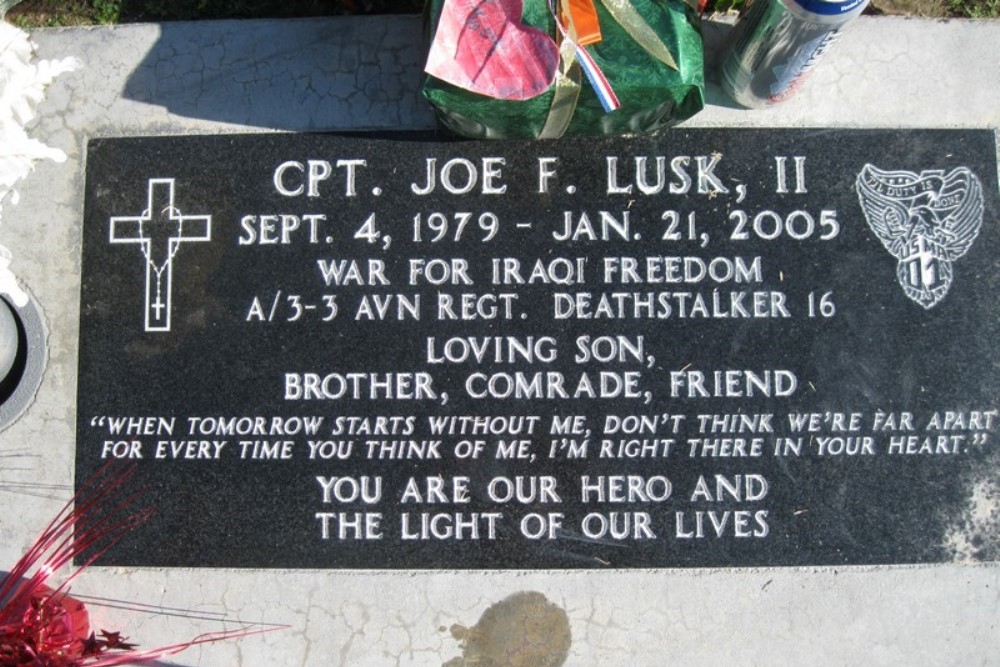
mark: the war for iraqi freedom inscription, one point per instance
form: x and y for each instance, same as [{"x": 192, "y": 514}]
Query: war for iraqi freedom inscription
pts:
[{"x": 714, "y": 348}]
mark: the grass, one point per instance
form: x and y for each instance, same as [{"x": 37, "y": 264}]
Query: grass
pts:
[
  {"x": 56, "y": 13},
  {"x": 52, "y": 13},
  {"x": 981, "y": 9}
]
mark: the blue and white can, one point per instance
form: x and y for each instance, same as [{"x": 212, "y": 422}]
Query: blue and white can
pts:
[{"x": 776, "y": 43}]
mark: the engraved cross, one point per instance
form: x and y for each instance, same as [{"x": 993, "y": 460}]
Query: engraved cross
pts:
[{"x": 159, "y": 230}]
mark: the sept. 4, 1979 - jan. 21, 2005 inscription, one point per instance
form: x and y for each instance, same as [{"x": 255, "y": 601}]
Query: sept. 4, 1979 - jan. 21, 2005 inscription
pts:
[{"x": 715, "y": 348}]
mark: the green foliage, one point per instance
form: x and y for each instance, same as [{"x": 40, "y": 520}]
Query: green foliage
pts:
[
  {"x": 107, "y": 11},
  {"x": 54, "y": 13},
  {"x": 978, "y": 9},
  {"x": 50, "y": 13}
]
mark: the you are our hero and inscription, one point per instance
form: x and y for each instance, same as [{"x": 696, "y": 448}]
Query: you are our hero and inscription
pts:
[{"x": 606, "y": 348}]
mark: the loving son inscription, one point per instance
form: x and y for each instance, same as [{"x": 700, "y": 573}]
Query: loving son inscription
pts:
[{"x": 712, "y": 348}]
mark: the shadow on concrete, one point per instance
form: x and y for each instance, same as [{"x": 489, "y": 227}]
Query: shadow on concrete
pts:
[{"x": 358, "y": 72}]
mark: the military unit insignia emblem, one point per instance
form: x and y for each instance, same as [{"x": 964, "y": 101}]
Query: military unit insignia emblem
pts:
[{"x": 926, "y": 221}]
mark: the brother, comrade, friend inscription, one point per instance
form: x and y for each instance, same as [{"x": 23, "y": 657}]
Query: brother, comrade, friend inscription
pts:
[{"x": 712, "y": 348}]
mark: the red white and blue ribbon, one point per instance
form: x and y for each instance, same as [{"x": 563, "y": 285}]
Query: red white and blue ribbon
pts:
[
  {"x": 605, "y": 94},
  {"x": 600, "y": 83}
]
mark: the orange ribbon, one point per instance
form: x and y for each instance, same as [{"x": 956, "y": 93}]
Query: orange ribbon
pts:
[{"x": 583, "y": 17}]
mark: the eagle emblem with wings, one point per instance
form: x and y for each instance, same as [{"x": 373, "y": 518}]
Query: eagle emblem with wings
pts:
[{"x": 926, "y": 221}]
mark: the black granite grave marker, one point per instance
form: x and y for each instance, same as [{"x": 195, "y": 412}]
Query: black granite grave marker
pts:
[{"x": 715, "y": 348}]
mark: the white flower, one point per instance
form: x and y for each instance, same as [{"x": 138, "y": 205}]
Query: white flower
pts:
[{"x": 22, "y": 87}]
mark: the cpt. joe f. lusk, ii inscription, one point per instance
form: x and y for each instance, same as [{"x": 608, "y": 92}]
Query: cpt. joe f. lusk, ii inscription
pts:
[{"x": 326, "y": 351}]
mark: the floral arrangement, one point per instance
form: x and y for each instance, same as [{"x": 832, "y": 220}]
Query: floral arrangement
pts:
[
  {"x": 41, "y": 625},
  {"x": 23, "y": 81}
]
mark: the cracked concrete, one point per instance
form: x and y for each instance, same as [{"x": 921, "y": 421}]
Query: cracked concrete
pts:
[{"x": 362, "y": 73}]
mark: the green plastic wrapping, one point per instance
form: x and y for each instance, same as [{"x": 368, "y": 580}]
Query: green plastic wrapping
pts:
[{"x": 652, "y": 95}]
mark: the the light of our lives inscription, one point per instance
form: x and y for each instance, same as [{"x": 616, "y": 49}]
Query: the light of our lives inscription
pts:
[{"x": 715, "y": 348}]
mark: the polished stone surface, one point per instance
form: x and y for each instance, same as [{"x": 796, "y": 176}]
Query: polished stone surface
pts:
[{"x": 717, "y": 348}]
